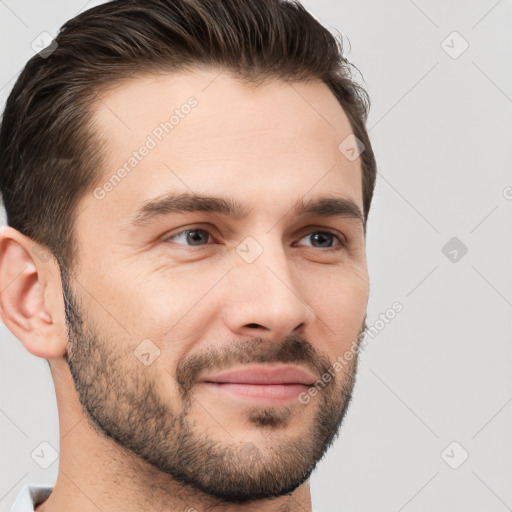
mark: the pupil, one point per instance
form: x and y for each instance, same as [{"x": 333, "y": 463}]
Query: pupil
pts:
[
  {"x": 192, "y": 238},
  {"x": 324, "y": 236}
]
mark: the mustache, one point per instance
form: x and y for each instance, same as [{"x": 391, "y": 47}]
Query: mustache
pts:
[{"x": 292, "y": 349}]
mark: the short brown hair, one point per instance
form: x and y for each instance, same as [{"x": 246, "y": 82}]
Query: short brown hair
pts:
[{"x": 50, "y": 156}]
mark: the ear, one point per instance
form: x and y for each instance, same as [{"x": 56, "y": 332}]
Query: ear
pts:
[{"x": 31, "y": 303}]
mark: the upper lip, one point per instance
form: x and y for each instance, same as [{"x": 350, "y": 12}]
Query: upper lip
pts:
[{"x": 259, "y": 374}]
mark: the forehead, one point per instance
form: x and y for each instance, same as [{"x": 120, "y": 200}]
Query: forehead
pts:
[{"x": 204, "y": 131}]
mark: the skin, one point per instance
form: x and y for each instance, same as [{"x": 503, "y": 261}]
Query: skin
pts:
[{"x": 136, "y": 436}]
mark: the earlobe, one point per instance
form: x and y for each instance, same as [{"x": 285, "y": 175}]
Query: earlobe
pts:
[{"x": 27, "y": 295}]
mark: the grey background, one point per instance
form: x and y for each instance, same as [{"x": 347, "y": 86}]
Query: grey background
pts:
[{"x": 440, "y": 371}]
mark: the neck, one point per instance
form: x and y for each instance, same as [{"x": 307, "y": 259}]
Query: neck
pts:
[
  {"x": 105, "y": 479},
  {"x": 95, "y": 473}
]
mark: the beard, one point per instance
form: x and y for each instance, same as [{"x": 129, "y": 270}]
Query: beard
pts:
[{"x": 118, "y": 396}]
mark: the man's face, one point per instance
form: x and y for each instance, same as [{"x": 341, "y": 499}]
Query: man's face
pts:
[{"x": 162, "y": 307}]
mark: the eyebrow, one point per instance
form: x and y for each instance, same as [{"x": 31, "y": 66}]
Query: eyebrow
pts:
[{"x": 176, "y": 203}]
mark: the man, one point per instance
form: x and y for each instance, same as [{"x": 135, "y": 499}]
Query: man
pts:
[{"x": 187, "y": 185}]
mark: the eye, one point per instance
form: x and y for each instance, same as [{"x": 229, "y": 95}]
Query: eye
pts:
[
  {"x": 197, "y": 237},
  {"x": 325, "y": 237},
  {"x": 193, "y": 236}
]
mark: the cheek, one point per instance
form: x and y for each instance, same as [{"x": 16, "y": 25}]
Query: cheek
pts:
[
  {"x": 345, "y": 286},
  {"x": 340, "y": 302},
  {"x": 166, "y": 304}
]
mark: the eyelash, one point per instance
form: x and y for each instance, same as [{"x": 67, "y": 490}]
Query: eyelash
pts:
[{"x": 342, "y": 243}]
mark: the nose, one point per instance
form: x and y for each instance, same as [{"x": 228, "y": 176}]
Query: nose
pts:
[{"x": 266, "y": 298}]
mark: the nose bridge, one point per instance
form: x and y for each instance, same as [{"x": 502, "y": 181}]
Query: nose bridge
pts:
[
  {"x": 263, "y": 258},
  {"x": 266, "y": 290}
]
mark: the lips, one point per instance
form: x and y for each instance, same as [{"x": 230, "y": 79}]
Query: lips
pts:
[{"x": 263, "y": 375}]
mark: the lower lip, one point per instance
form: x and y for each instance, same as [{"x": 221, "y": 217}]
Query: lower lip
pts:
[{"x": 261, "y": 392}]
